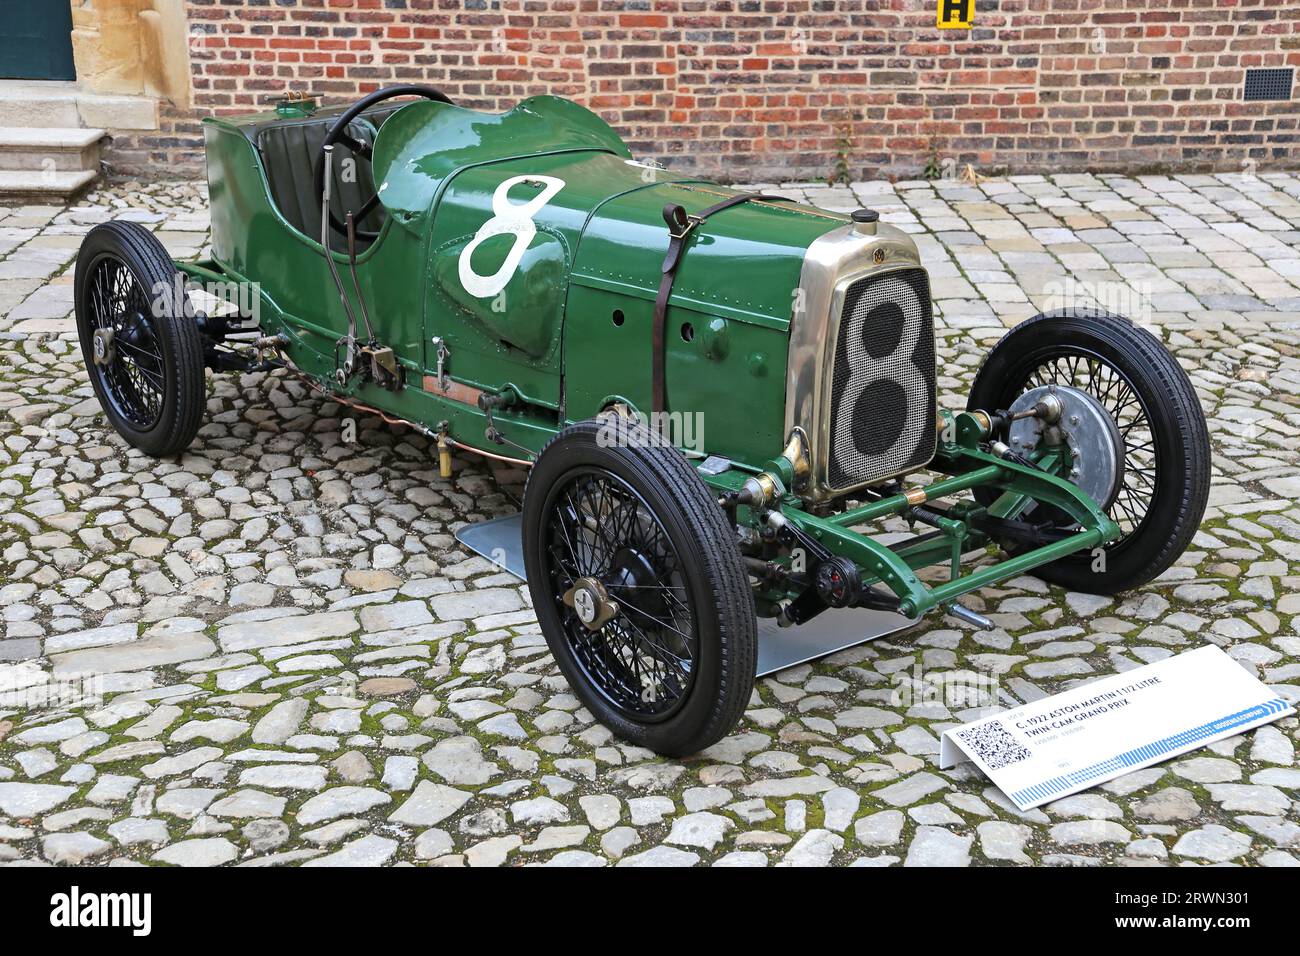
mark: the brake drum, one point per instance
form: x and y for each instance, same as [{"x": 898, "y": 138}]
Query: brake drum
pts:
[{"x": 1096, "y": 446}]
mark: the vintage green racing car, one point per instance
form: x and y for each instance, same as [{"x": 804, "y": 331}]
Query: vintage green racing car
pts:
[{"x": 516, "y": 285}]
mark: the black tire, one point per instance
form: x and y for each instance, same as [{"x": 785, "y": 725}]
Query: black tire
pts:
[
  {"x": 1167, "y": 466},
  {"x": 150, "y": 382},
  {"x": 659, "y": 523}
]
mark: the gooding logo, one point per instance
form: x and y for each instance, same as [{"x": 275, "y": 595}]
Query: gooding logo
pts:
[{"x": 74, "y": 908}]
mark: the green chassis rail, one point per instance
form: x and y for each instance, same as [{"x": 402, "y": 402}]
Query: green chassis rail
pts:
[
  {"x": 968, "y": 467},
  {"x": 958, "y": 455}
]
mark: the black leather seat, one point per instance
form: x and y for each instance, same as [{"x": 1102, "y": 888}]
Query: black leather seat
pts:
[{"x": 290, "y": 149}]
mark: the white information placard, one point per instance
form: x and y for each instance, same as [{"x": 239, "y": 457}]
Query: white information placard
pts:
[{"x": 1075, "y": 740}]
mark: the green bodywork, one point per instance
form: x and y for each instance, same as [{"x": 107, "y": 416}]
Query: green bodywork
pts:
[
  {"x": 550, "y": 336},
  {"x": 568, "y": 335}
]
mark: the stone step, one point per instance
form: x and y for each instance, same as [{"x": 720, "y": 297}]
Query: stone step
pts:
[
  {"x": 39, "y": 104},
  {"x": 59, "y": 104},
  {"x": 41, "y": 186},
  {"x": 48, "y": 147}
]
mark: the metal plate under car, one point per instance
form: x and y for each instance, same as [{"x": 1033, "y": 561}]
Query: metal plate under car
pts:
[{"x": 501, "y": 542}]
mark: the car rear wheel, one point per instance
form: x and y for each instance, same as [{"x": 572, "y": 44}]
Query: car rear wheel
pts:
[
  {"x": 1163, "y": 478},
  {"x": 639, "y": 586},
  {"x": 139, "y": 339}
]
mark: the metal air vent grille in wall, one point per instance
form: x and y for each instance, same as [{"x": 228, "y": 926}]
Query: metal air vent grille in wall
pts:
[{"x": 1269, "y": 84}]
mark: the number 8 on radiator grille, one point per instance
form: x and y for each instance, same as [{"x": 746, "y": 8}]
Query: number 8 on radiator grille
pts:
[{"x": 883, "y": 387}]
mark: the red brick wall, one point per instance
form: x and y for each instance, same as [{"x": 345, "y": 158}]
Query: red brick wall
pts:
[{"x": 785, "y": 89}]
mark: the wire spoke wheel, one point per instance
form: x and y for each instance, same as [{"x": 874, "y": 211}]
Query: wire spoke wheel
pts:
[
  {"x": 643, "y": 659},
  {"x": 129, "y": 361},
  {"x": 142, "y": 347},
  {"x": 639, "y": 587},
  {"x": 1165, "y": 447}
]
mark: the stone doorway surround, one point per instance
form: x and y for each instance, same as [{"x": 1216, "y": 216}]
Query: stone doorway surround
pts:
[
  {"x": 130, "y": 56},
  {"x": 132, "y": 47}
]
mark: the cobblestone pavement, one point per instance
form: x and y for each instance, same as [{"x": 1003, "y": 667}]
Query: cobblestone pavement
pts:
[{"x": 300, "y": 664}]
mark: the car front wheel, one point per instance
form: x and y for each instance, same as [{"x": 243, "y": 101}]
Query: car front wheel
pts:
[
  {"x": 639, "y": 586},
  {"x": 1157, "y": 483}
]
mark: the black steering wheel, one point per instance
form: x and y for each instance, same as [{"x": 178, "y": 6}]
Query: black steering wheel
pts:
[{"x": 338, "y": 133}]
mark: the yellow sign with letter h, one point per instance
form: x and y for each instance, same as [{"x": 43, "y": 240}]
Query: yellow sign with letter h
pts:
[{"x": 956, "y": 14}]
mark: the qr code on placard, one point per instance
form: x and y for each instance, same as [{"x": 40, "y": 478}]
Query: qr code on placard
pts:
[{"x": 994, "y": 744}]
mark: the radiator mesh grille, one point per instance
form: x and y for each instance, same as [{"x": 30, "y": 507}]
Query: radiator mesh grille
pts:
[{"x": 883, "y": 384}]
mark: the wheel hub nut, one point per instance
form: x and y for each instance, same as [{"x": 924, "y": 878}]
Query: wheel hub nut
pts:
[
  {"x": 102, "y": 346},
  {"x": 592, "y": 603}
]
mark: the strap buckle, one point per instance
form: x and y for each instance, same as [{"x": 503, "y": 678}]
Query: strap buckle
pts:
[
  {"x": 679, "y": 223},
  {"x": 691, "y": 223}
]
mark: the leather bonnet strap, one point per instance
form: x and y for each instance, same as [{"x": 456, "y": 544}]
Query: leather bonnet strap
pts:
[{"x": 679, "y": 229}]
